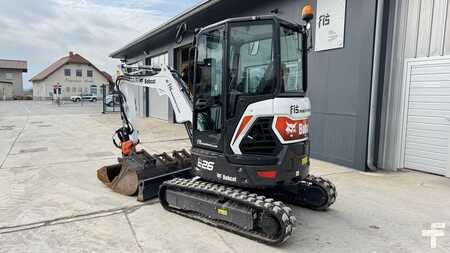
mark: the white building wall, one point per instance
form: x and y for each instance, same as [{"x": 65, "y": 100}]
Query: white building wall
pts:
[
  {"x": 421, "y": 29},
  {"x": 72, "y": 85}
]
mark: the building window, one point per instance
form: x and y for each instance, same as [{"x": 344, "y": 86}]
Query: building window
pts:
[
  {"x": 67, "y": 72},
  {"x": 79, "y": 73},
  {"x": 160, "y": 60},
  {"x": 67, "y": 89},
  {"x": 89, "y": 73},
  {"x": 86, "y": 90},
  {"x": 80, "y": 89},
  {"x": 9, "y": 76},
  {"x": 74, "y": 89},
  {"x": 94, "y": 89}
]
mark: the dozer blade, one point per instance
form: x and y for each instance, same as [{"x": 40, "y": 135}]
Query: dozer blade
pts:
[{"x": 141, "y": 173}]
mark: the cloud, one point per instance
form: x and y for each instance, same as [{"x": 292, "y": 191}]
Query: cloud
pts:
[{"x": 43, "y": 31}]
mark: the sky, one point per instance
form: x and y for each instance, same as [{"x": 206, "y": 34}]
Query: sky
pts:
[{"x": 42, "y": 31}]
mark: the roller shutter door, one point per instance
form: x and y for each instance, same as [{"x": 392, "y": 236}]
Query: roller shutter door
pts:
[{"x": 427, "y": 128}]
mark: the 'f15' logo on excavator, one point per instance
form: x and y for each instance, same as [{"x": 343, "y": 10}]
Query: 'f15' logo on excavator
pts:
[{"x": 295, "y": 109}]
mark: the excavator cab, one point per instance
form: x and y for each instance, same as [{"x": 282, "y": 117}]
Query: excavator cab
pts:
[
  {"x": 248, "y": 72},
  {"x": 237, "y": 65}
]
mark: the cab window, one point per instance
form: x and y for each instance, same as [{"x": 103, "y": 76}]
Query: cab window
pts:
[
  {"x": 250, "y": 59},
  {"x": 208, "y": 88},
  {"x": 291, "y": 61}
]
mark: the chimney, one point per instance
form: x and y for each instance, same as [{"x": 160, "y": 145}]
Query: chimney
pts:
[{"x": 71, "y": 53}]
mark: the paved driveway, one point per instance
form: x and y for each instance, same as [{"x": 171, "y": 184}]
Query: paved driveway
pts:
[{"x": 51, "y": 201}]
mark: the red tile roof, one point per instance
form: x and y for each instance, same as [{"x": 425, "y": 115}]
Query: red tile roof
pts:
[
  {"x": 13, "y": 64},
  {"x": 70, "y": 59},
  {"x": 108, "y": 77}
]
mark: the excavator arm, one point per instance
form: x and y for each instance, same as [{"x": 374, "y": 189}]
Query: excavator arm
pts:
[
  {"x": 139, "y": 172},
  {"x": 166, "y": 81}
]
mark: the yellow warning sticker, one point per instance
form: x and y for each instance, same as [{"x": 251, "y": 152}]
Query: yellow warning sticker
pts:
[
  {"x": 222, "y": 211},
  {"x": 305, "y": 160}
]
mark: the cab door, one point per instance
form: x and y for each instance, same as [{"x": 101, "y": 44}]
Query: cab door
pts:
[{"x": 208, "y": 90}]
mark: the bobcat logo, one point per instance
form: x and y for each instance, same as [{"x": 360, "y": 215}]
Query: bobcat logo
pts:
[{"x": 291, "y": 129}]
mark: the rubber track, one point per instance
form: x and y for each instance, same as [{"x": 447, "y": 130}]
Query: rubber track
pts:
[
  {"x": 283, "y": 214},
  {"x": 326, "y": 185}
]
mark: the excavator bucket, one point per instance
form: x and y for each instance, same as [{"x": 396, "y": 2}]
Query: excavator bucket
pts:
[{"x": 141, "y": 173}]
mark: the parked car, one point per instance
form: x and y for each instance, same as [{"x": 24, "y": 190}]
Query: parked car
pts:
[
  {"x": 23, "y": 97},
  {"x": 112, "y": 100},
  {"x": 84, "y": 97}
]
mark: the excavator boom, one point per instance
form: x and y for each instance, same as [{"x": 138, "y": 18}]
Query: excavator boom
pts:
[
  {"x": 138, "y": 172},
  {"x": 165, "y": 81}
]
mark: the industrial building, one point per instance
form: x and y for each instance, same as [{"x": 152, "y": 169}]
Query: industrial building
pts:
[
  {"x": 379, "y": 76},
  {"x": 11, "y": 79}
]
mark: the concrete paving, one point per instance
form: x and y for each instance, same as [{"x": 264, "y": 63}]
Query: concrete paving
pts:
[{"x": 51, "y": 200}]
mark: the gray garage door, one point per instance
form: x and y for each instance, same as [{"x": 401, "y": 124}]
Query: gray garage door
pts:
[{"x": 427, "y": 122}]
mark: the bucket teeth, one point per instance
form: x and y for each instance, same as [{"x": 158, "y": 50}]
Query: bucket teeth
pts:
[{"x": 141, "y": 173}]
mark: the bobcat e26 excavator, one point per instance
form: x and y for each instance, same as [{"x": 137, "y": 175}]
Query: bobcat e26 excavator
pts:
[{"x": 248, "y": 121}]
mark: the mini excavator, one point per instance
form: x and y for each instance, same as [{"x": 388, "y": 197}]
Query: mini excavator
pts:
[{"x": 247, "y": 118}]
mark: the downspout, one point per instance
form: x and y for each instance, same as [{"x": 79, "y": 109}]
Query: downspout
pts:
[{"x": 374, "y": 86}]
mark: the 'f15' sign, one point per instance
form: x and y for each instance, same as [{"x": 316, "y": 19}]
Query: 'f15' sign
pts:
[{"x": 330, "y": 24}]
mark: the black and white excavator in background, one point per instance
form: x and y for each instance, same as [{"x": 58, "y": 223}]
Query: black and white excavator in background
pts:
[{"x": 248, "y": 121}]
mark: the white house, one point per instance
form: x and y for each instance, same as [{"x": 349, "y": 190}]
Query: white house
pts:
[{"x": 74, "y": 74}]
